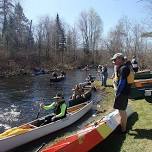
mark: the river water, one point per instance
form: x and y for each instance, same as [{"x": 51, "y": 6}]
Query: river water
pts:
[{"x": 20, "y": 96}]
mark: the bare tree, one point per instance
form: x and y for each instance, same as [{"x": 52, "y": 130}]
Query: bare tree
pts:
[
  {"x": 39, "y": 40},
  {"x": 71, "y": 44},
  {"x": 47, "y": 36},
  {"x": 116, "y": 38},
  {"x": 137, "y": 38},
  {"x": 90, "y": 25}
]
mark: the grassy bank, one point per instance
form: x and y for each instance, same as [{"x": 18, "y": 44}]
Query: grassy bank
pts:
[{"x": 139, "y": 136}]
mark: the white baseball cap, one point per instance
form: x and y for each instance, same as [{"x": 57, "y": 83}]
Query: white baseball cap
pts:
[{"x": 117, "y": 55}]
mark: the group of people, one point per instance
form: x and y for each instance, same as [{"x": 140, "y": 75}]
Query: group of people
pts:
[
  {"x": 122, "y": 73},
  {"x": 60, "y": 106}
]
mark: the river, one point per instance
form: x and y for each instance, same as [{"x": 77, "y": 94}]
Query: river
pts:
[{"x": 20, "y": 96}]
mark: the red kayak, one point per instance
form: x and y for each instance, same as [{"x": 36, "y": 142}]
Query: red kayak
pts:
[{"x": 87, "y": 138}]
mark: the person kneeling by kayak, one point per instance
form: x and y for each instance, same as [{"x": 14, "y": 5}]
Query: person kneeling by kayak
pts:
[{"x": 59, "y": 106}]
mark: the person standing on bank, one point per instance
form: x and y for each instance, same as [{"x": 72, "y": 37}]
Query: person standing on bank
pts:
[
  {"x": 123, "y": 89},
  {"x": 134, "y": 64},
  {"x": 104, "y": 75},
  {"x": 59, "y": 106},
  {"x": 99, "y": 72}
]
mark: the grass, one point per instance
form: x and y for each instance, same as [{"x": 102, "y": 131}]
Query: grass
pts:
[{"x": 139, "y": 136}]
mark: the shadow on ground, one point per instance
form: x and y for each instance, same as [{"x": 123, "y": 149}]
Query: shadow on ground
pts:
[
  {"x": 114, "y": 142},
  {"x": 141, "y": 133}
]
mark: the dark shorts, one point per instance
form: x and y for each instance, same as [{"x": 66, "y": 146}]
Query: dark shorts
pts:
[{"x": 121, "y": 102}]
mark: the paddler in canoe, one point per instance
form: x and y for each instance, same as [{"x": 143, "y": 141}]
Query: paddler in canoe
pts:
[
  {"x": 90, "y": 78},
  {"x": 54, "y": 75},
  {"x": 59, "y": 106},
  {"x": 78, "y": 92}
]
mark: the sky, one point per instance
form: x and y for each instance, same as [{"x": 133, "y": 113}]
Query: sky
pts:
[{"x": 110, "y": 11}]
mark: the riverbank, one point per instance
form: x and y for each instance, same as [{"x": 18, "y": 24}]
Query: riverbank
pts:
[
  {"x": 137, "y": 139},
  {"x": 139, "y": 134},
  {"x": 13, "y": 69}
]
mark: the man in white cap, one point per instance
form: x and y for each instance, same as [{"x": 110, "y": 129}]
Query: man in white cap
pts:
[{"x": 123, "y": 88}]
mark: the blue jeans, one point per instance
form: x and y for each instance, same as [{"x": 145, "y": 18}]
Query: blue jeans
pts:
[{"x": 104, "y": 79}]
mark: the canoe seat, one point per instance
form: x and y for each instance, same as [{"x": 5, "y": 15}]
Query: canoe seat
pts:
[
  {"x": 75, "y": 108},
  {"x": 27, "y": 126}
]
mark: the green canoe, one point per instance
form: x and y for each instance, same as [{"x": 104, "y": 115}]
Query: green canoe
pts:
[
  {"x": 136, "y": 93},
  {"x": 143, "y": 75},
  {"x": 142, "y": 93}
]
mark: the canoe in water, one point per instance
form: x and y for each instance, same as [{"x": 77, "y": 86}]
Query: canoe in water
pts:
[
  {"x": 25, "y": 133},
  {"x": 57, "y": 79},
  {"x": 87, "y": 138}
]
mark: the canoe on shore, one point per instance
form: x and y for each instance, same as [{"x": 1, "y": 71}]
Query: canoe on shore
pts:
[
  {"x": 146, "y": 74},
  {"x": 148, "y": 95},
  {"x": 25, "y": 133},
  {"x": 87, "y": 138},
  {"x": 143, "y": 83},
  {"x": 136, "y": 93},
  {"x": 57, "y": 79},
  {"x": 141, "y": 93}
]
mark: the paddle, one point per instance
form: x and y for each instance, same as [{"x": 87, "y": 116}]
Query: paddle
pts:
[
  {"x": 40, "y": 148},
  {"x": 39, "y": 110},
  {"x": 38, "y": 113}
]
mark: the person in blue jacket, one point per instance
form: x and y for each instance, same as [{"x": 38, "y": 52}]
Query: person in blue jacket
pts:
[{"x": 123, "y": 88}]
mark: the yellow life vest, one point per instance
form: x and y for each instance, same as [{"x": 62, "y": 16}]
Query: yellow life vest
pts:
[{"x": 131, "y": 76}]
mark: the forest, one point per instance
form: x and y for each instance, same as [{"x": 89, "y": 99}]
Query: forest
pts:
[{"x": 52, "y": 43}]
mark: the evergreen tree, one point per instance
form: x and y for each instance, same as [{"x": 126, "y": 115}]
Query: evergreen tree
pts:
[
  {"x": 18, "y": 33},
  {"x": 6, "y": 7},
  {"x": 60, "y": 37}
]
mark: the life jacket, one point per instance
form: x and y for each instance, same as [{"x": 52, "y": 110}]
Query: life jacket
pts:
[
  {"x": 57, "y": 110},
  {"x": 130, "y": 77}
]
